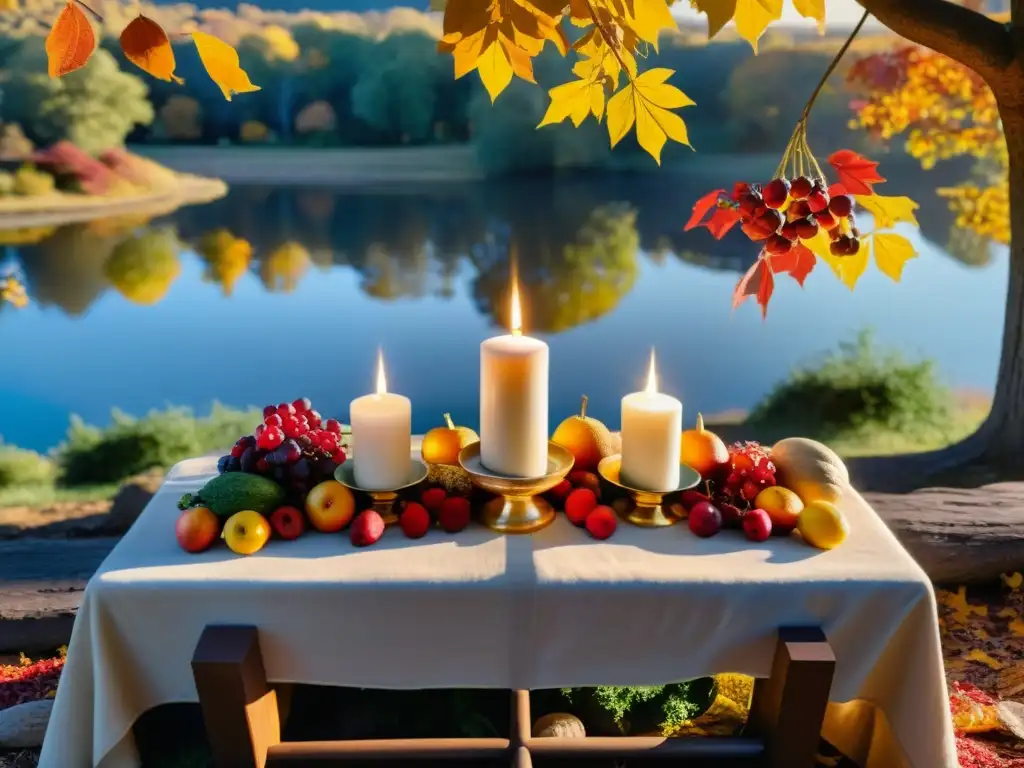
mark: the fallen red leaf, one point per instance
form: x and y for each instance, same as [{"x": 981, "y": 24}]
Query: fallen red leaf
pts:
[
  {"x": 701, "y": 208},
  {"x": 757, "y": 282},
  {"x": 721, "y": 221},
  {"x": 797, "y": 262},
  {"x": 856, "y": 173}
]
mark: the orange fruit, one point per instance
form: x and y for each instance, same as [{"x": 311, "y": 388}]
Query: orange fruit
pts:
[
  {"x": 701, "y": 449},
  {"x": 782, "y": 505},
  {"x": 442, "y": 445},
  {"x": 586, "y": 438}
]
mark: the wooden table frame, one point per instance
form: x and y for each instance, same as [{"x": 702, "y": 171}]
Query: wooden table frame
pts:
[{"x": 242, "y": 713}]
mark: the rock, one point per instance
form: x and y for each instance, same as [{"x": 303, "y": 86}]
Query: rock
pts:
[
  {"x": 959, "y": 535},
  {"x": 23, "y": 725},
  {"x": 1011, "y": 715},
  {"x": 559, "y": 724},
  {"x": 133, "y": 496}
]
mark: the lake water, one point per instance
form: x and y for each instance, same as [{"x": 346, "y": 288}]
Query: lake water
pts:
[{"x": 335, "y": 274}]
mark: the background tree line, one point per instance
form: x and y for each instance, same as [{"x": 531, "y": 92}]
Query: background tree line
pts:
[{"x": 370, "y": 87}]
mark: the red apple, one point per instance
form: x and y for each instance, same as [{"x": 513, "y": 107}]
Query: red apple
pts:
[
  {"x": 757, "y": 525},
  {"x": 287, "y": 523},
  {"x": 704, "y": 519},
  {"x": 197, "y": 529}
]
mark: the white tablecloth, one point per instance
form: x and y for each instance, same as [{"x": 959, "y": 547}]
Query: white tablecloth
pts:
[{"x": 476, "y": 609}]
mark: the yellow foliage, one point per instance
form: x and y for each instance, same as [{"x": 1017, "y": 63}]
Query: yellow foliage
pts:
[
  {"x": 12, "y": 291},
  {"x": 280, "y": 43},
  {"x": 284, "y": 267},
  {"x": 220, "y": 61},
  {"x": 143, "y": 267},
  {"x": 227, "y": 258}
]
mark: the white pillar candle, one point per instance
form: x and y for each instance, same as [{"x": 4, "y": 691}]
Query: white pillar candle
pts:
[
  {"x": 652, "y": 428},
  {"x": 514, "y": 401},
  {"x": 381, "y": 437}
]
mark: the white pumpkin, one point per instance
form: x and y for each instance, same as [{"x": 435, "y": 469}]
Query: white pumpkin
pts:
[
  {"x": 810, "y": 469},
  {"x": 559, "y": 724}
]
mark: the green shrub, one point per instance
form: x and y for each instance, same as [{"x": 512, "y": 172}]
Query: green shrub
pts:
[
  {"x": 30, "y": 182},
  {"x": 613, "y": 710},
  {"x": 858, "y": 390},
  {"x": 160, "y": 439},
  {"x": 20, "y": 468}
]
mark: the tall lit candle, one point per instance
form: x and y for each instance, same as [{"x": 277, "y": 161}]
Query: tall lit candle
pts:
[
  {"x": 381, "y": 436},
  {"x": 652, "y": 428},
  {"x": 514, "y": 400}
]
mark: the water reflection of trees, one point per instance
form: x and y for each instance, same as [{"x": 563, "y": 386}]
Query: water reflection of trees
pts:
[{"x": 576, "y": 241}]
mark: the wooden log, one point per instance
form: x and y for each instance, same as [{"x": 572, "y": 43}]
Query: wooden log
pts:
[{"x": 958, "y": 535}]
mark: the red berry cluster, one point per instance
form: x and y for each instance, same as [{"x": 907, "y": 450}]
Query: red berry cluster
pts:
[
  {"x": 452, "y": 513},
  {"x": 294, "y": 445},
  {"x": 782, "y": 213},
  {"x": 748, "y": 472}
]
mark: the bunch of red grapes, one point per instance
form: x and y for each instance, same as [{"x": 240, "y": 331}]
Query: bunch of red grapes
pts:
[
  {"x": 782, "y": 213},
  {"x": 748, "y": 472},
  {"x": 294, "y": 446}
]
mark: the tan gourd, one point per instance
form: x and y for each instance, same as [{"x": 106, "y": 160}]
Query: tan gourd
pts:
[{"x": 810, "y": 469}]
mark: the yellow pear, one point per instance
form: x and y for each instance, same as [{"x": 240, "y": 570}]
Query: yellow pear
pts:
[{"x": 586, "y": 438}]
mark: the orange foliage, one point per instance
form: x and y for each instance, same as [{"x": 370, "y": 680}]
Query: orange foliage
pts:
[{"x": 71, "y": 41}]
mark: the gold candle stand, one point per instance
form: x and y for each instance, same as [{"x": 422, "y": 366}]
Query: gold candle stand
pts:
[
  {"x": 519, "y": 507},
  {"x": 646, "y": 508},
  {"x": 383, "y": 500}
]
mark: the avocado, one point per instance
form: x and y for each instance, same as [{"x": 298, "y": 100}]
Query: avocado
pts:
[{"x": 233, "y": 492}]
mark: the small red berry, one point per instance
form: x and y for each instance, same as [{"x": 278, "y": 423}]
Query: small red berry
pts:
[
  {"x": 262, "y": 465},
  {"x": 750, "y": 490},
  {"x": 806, "y": 229},
  {"x": 237, "y": 450},
  {"x": 454, "y": 514},
  {"x": 753, "y": 231},
  {"x": 777, "y": 244},
  {"x": 776, "y": 192},
  {"x": 799, "y": 209},
  {"x": 333, "y": 425},
  {"x": 751, "y": 204},
  {"x": 313, "y": 419},
  {"x": 302, "y": 405},
  {"x": 560, "y": 492},
  {"x": 338, "y": 456},
  {"x": 273, "y": 420},
  {"x": 790, "y": 230},
  {"x": 818, "y": 200},
  {"x": 769, "y": 221},
  {"x": 841, "y": 206},
  {"x": 579, "y": 504},
  {"x": 433, "y": 498},
  {"x": 601, "y": 522},
  {"x": 286, "y": 409},
  {"x": 825, "y": 220},
  {"x": 801, "y": 188},
  {"x": 414, "y": 520},
  {"x": 757, "y": 525},
  {"x": 270, "y": 438}
]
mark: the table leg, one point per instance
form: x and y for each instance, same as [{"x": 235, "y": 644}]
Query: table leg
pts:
[
  {"x": 240, "y": 710},
  {"x": 520, "y": 730},
  {"x": 788, "y": 708}
]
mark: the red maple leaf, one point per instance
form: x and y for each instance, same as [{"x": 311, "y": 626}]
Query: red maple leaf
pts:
[
  {"x": 701, "y": 208},
  {"x": 758, "y": 282},
  {"x": 856, "y": 173},
  {"x": 798, "y": 262},
  {"x": 722, "y": 220}
]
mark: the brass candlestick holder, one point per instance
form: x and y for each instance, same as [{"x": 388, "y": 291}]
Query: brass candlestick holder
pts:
[
  {"x": 383, "y": 500},
  {"x": 519, "y": 507},
  {"x": 646, "y": 508}
]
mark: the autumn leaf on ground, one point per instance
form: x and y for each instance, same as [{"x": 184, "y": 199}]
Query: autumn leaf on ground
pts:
[
  {"x": 812, "y": 9},
  {"x": 1012, "y": 580},
  {"x": 646, "y": 102},
  {"x": 146, "y": 45},
  {"x": 983, "y": 658},
  {"x": 753, "y": 17},
  {"x": 888, "y": 211},
  {"x": 71, "y": 41},
  {"x": 960, "y": 609},
  {"x": 758, "y": 282},
  {"x": 856, "y": 173},
  {"x": 891, "y": 252},
  {"x": 220, "y": 61}
]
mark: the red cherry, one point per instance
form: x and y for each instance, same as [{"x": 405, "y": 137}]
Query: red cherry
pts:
[
  {"x": 798, "y": 209},
  {"x": 286, "y": 409},
  {"x": 273, "y": 420},
  {"x": 790, "y": 231},
  {"x": 313, "y": 418},
  {"x": 853, "y": 247},
  {"x": 818, "y": 200},
  {"x": 777, "y": 244},
  {"x": 776, "y": 192},
  {"x": 752, "y": 205},
  {"x": 769, "y": 221},
  {"x": 753, "y": 231},
  {"x": 757, "y": 525},
  {"x": 806, "y": 228},
  {"x": 825, "y": 219},
  {"x": 801, "y": 188},
  {"x": 841, "y": 206},
  {"x": 333, "y": 425},
  {"x": 302, "y": 405}
]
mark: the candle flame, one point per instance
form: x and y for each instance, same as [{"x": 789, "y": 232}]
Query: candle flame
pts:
[
  {"x": 382, "y": 382},
  {"x": 516, "y": 311},
  {"x": 652, "y": 377}
]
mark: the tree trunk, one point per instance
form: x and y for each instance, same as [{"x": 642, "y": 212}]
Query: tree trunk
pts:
[{"x": 1004, "y": 428}]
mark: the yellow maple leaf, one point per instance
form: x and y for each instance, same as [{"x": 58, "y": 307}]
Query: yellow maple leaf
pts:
[
  {"x": 847, "y": 268},
  {"x": 892, "y": 252},
  {"x": 648, "y": 18},
  {"x": 1012, "y": 580},
  {"x": 719, "y": 13},
  {"x": 812, "y": 9},
  {"x": 645, "y": 102},
  {"x": 221, "y": 63},
  {"x": 495, "y": 69},
  {"x": 983, "y": 658},
  {"x": 957, "y": 603},
  {"x": 753, "y": 17},
  {"x": 887, "y": 210},
  {"x": 574, "y": 100}
]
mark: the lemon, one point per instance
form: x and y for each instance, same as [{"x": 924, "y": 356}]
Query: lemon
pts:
[
  {"x": 246, "y": 532},
  {"x": 822, "y": 525}
]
